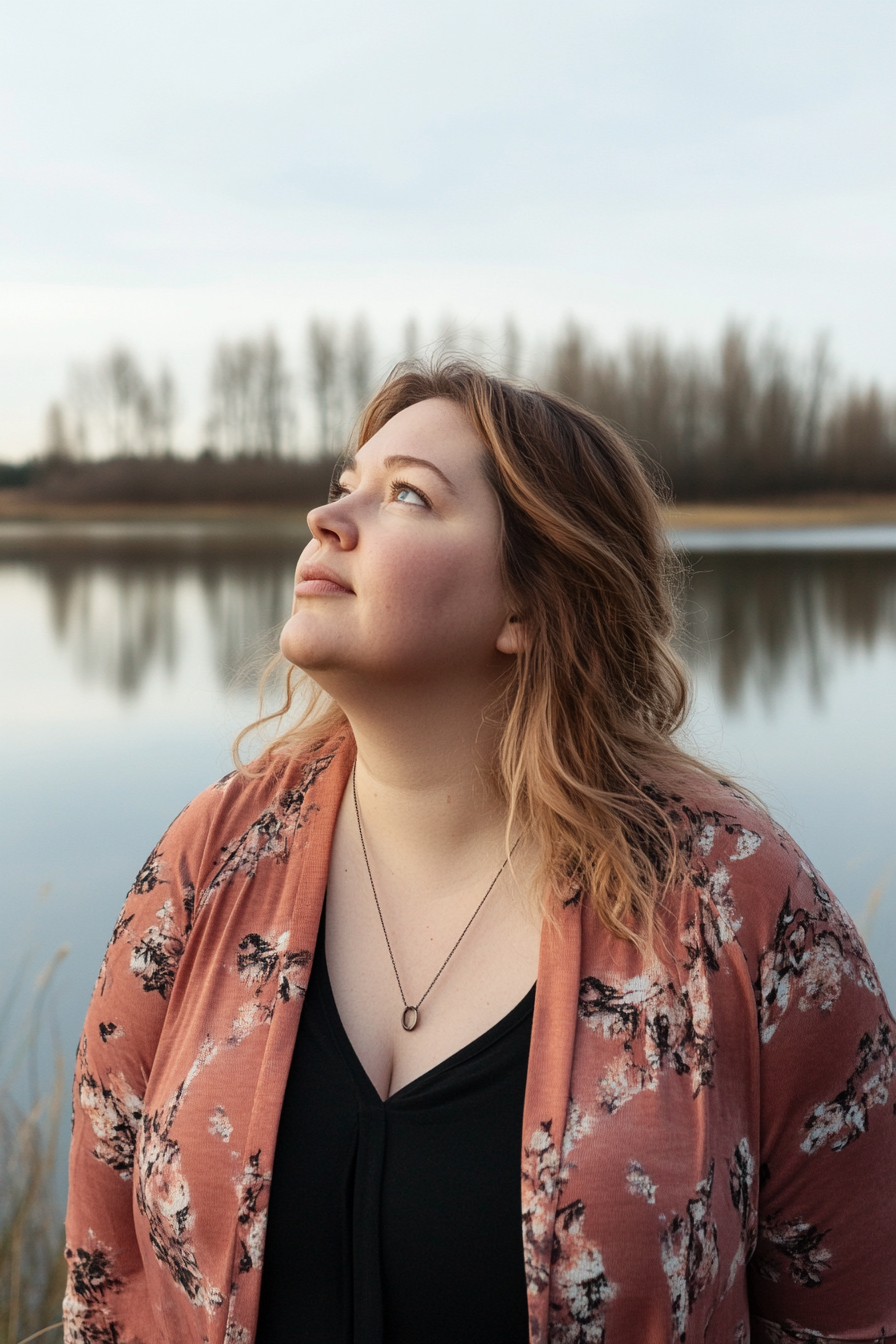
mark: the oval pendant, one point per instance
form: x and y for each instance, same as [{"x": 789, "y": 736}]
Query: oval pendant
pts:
[{"x": 409, "y": 1017}]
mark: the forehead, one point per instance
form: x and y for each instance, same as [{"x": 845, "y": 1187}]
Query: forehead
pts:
[{"x": 437, "y": 429}]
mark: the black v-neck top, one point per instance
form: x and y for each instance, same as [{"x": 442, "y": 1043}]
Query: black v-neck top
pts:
[{"x": 397, "y": 1221}]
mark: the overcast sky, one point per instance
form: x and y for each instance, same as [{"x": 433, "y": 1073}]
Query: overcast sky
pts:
[{"x": 173, "y": 173}]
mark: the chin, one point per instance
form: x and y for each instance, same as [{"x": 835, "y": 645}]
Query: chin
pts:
[
  {"x": 315, "y": 656},
  {"x": 299, "y": 653},
  {"x": 303, "y": 644}
]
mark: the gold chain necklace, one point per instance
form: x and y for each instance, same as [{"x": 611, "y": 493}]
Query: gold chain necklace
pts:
[{"x": 411, "y": 1014}]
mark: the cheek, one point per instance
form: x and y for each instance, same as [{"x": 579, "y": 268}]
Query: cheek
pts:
[{"x": 455, "y": 587}]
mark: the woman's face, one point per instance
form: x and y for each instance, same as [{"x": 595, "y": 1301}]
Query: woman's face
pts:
[{"x": 400, "y": 581}]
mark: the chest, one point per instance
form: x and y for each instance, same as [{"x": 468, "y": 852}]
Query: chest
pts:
[
  {"x": 376, "y": 1219},
  {"x": 463, "y": 971}
]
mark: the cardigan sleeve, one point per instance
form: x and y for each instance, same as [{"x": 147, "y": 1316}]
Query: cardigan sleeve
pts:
[
  {"x": 823, "y": 1267},
  {"x": 115, "y": 1055}
]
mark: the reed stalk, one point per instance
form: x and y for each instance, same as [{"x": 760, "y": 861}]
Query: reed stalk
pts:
[{"x": 32, "y": 1264}]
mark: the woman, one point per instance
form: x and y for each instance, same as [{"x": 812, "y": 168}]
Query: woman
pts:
[{"x": 475, "y": 1008}]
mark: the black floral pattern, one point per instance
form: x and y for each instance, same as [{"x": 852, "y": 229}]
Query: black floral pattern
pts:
[
  {"x": 741, "y": 1178},
  {"x": 690, "y": 1253},
  {"x": 270, "y": 835},
  {"x": 91, "y": 1273},
  {"x": 798, "y": 1244},
  {"x": 542, "y": 1183},
  {"x": 741, "y": 1173},
  {"x": 149, "y": 875},
  {"x": 251, "y": 1189},
  {"x": 791, "y": 1334},
  {"x": 156, "y": 954},
  {"x": 653, "y": 1022},
  {"x": 840, "y": 1122},
  {"x": 812, "y": 953},
  {"x": 91, "y": 1283},
  {"x": 114, "y": 1110},
  {"x": 557, "y": 1251},
  {"x": 580, "y": 1289},
  {"x": 163, "y": 1198}
]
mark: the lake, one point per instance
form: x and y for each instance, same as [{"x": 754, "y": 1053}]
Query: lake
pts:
[{"x": 121, "y": 691}]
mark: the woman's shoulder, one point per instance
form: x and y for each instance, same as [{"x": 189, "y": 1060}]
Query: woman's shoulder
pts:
[
  {"x": 743, "y": 872},
  {"x": 252, "y": 810}
]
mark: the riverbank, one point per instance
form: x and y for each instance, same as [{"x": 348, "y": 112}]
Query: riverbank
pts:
[
  {"x": 808, "y": 511},
  {"x": 23, "y": 507}
]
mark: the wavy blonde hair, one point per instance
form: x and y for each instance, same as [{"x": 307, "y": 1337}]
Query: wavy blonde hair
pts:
[{"x": 586, "y": 751}]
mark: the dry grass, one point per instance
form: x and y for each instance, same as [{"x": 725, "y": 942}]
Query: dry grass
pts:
[{"x": 32, "y": 1265}]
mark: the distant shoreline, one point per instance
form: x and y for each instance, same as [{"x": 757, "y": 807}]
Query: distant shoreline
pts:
[
  {"x": 818, "y": 511},
  {"x": 811, "y": 511}
]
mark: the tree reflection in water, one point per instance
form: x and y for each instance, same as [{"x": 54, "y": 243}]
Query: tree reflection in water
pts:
[
  {"x": 118, "y": 621},
  {"x": 752, "y": 620},
  {"x": 125, "y": 611},
  {"x": 756, "y": 619}
]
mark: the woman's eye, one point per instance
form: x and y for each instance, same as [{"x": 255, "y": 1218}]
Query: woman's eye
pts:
[{"x": 406, "y": 494}]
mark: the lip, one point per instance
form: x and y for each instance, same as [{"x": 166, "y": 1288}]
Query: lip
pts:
[{"x": 318, "y": 581}]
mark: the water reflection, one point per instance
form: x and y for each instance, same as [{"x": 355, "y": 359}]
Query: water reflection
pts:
[
  {"x": 125, "y": 611},
  {"x": 127, "y": 606},
  {"x": 754, "y": 620},
  {"x": 118, "y": 623}
]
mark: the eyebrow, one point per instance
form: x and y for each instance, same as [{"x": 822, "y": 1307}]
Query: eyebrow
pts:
[{"x": 403, "y": 460}]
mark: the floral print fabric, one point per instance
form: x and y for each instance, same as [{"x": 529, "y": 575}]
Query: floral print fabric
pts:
[{"x": 709, "y": 1139}]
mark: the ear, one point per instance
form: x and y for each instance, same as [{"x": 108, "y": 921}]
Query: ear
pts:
[{"x": 512, "y": 637}]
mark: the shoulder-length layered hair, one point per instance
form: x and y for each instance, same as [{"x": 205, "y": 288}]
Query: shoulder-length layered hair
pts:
[{"x": 588, "y": 713}]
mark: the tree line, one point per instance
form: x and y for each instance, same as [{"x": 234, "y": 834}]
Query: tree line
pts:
[
  {"x": 746, "y": 418},
  {"x": 112, "y": 409}
]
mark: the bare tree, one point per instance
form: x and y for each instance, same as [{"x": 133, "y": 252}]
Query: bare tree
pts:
[
  {"x": 359, "y": 364},
  {"x": 779, "y": 413},
  {"x": 250, "y": 409},
  {"x": 275, "y": 418},
  {"x": 567, "y": 370},
  {"x": 165, "y": 412},
  {"x": 512, "y": 349},
  {"x": 114, "y": 410},
  {"x": 651, "y": 413},
  {"x": 324, "y": 352},
  {"x": 861, "y": 442},
  {"x": 127, "y": 403},
  {"x": 230, "y": 417},
  {"x": 735, "y": 399},
  {"x": 412, "y": 338},
  {"x": 59, "y": 444},
  {"x": 819, "y": 379},
  {"x": 695, "y": 414}
]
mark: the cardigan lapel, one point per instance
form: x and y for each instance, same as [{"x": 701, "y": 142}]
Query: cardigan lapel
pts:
[
  {"x": 301, "y": 902},
  {"x": 547, "y": 1100}
]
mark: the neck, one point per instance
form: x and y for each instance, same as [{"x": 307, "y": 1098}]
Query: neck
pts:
[{"x": 425, "y": 762}]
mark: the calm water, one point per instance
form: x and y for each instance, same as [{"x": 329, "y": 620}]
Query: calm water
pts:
[{"x": 120, "y": 695}]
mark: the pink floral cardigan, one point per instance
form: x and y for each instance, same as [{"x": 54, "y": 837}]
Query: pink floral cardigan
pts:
[{"x": 709, "y": 1142}]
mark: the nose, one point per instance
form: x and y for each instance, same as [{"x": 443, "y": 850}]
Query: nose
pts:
[{"x": 333, "y": 523}]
